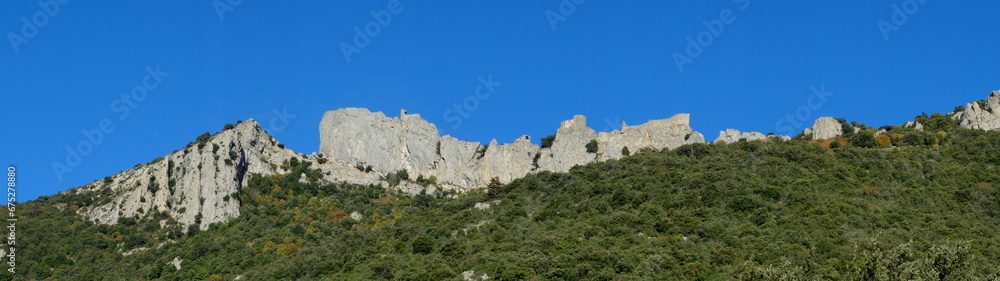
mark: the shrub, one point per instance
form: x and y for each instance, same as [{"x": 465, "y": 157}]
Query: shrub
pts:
[
  {"x": 393, "y": 179},
  {"x": 868, "y": 190},
  {"x": 625, "y": 151},
  {"x": 228, "y": 126},
  {"x": 592, "y": 146},
  {"x": 287, "y": 249},
  {"x": 863, "y": 139},
  {"x": 423, "y": 245},
  {"x": 202, "y": 140},
  {"x": 153, "y": 187},
  {"x": 548, "y": 140},
  {"x": 883, "y": 140},
  {"x": 835, "y": 144},
  {"x": 495, "y": 187},
  {"x": 916, "y": 138},
  {"x": 193, "y": 230}
]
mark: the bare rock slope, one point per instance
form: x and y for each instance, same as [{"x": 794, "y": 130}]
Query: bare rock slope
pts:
[{"x": 199, "y": 184}]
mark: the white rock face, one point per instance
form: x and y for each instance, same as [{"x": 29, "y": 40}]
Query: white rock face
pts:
[
  {"x": 176, "y": 263},
  {"x": 695, "y": 137},
  {"x": 190, "y": 181},
  {"x": 825, "y": 128},
  {"x": 656, "y": 134},
  {"x": 986, "y": 118},
  {"x": 201, "y": 180},
  {"x": 569, "y": 148},
  {"x": 356, "y": 136},
  {"x": 470, "y": 275},
  {"x": 733, "y": 135}
]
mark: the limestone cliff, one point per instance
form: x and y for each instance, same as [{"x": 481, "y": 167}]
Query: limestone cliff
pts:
[
  {"x": 982, "y": 115},
  {"x": 356, "y": 136},
  {"x": 199, "y": 184},
  {"x": 733, "y": 135}
]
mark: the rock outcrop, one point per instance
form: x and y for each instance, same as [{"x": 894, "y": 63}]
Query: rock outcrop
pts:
[
  {"x": 656, "y": 134},
  {"x": 357, "y": 136},
  {"x": 914, "y": 124},
  {"x": 825, "y": 128},
  {"x": 195, "y": 185},
  {"x": 199, "y": 184},
  {"x": 192, "y": 184},
  {"x": 982, "y": 115},
  {"x": 733, "y": 135}
]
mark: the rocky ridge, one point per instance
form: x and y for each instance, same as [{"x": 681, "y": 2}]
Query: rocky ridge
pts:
[
  {"x": 357, "y": 136},
  {"x": 198, "y": 185},
  {"x": 733, "y": 135}
]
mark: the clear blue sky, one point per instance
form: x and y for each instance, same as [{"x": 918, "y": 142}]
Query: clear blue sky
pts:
[{"x": 609, "y": 61}]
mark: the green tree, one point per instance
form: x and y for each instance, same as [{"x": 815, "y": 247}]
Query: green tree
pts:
[
  {"x": 423, "y": 245},
  {"x": 863, "y": 139},
  {"x": 548, "y": 140},
  {"x": 592, "y": 146}
]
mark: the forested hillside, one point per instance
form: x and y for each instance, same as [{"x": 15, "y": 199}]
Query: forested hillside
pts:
[{"x": 906, "y": 205}]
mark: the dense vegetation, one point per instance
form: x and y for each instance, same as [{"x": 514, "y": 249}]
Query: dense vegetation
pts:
[{"x": 922, "y": 206}]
